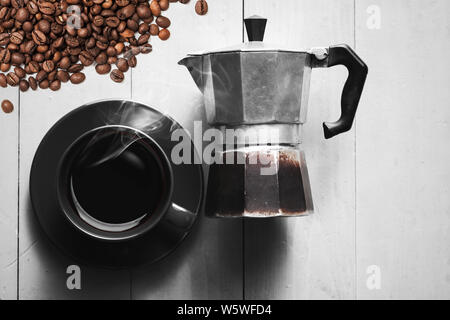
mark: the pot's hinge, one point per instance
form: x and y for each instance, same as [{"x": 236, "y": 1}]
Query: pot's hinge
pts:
[{"x": 319, "y": 57}]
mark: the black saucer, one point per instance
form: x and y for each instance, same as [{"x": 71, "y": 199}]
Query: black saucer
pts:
[{"x": 149, "y": 247}]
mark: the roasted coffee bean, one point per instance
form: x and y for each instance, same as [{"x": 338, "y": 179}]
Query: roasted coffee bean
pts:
[
  {"x": 48, "y": 66},
  {"x": 77, "y": 78},
  {"x": 41, "y": 75},
  {"x": 154, "y": 29},
  {"x": 5, "y": 55},
  {"x": 44, "y": 84},
  {"x": 132, "y": 61},
  {"x": 16, "y": 4},
  {"x": 3, "y": 81},
  {"x": 62, "y": 75},
  {"x": 7, "y": 106},
  {"x": 39, "y": 57},
  {"x": 164, "y": 4},
  {"x": 72, "y": 41},
  {"x": 46, "y": 8},
  {"x": 44, "y": 26},
  {"x": 22, "y": 15},
  {"x": 32, "y": 7},
  {"x": 143, "y": 11},
  {"x": 155, "y": 8},
  {"x": 4, "y": 67},
  {"x": 112, "y": 22},
  {"x": 39, "y": 37},
  {"x": 57, "y": 28},
  {"x": 201, "y": 7},
  {"x": 119, "y": 47},
  {"x": 58, "y": 43},
  {"x": 86, "y": 58},
  {"x": 101, "y": 45},
  {"x": 122, "y": 3},
  {"x": 98, "y": 21},
  {"x": 107, "y": 13},
  {"x": 57, "y": 56},
  {"x": 143, "y": 39},
  {"x": 4, "y": 39},
  {"x": 12, "y": 47},
  {"x": 27, "y": 26},
  {"x": 116, "y": 75},
  {"x": 29, "y": 47},
  {"x": 19, "y": 72},
  {"x": 55, "y": 85},
  {"x": 111, "y": 60},
  {"x": 12, "y": 79},
  {"x": 132, "y": 25},
  {"x": 126, "y": 12},
  {"x": 75, "y": 68},
  {"x": 163, "y": 22},
  {"x": 51, "y": 76},
  {"x": 16, "y": 38},
  {"x": 4, "y": 14},
  {"x": 101, "y": 58},
  {"x": 24, "y": 85},
  {"x": 103, "y": 68},
  {"x": 164, "y": 34},
  {"x": 17, "y": 58},
  {"x": 143, "y": 28},
  {"x": 33, "y": 83},
  {"x": 127, "y": 33},
  {"x": 111, "y": 52},
  {"x": 64, "y": 63},
  {"x": 135, "y": 50},
  {"x": 146, "y": 48},
  {"x": 122, "y": 65},
  {"x": 83, "y": 32}
]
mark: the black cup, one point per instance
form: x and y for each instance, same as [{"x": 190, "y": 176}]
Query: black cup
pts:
[{"x": 115, "y": 183}]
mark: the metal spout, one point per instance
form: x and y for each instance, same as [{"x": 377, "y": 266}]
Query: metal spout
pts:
[{"x": 195, "y": 66}]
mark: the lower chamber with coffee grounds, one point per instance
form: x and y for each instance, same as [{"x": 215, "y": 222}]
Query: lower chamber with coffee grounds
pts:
[{"x": 268, "y": 181}]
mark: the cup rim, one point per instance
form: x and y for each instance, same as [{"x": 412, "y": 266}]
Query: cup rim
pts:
[{"x": 65, "y": 199}]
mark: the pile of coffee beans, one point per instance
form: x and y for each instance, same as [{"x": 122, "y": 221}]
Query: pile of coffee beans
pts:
[{"x": 44, "y": 43}]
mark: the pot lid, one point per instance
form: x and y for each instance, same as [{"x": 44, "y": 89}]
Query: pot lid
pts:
[{"x": 256, "y": 27}]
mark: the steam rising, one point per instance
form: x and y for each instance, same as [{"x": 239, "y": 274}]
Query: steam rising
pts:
[{"x": 127, "y": 116}]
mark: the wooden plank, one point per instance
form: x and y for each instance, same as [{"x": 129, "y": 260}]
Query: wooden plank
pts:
[
  {"x": 209, "y": 264},
  {"x": 311, "y": 257},
  {"x": 402, "y": 150},
  {"x": 9, "y": 143},
  {"x": 42, "y": 269}
]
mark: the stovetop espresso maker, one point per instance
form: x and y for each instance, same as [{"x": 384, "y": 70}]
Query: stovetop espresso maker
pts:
[{"x": 257, "y": 96}]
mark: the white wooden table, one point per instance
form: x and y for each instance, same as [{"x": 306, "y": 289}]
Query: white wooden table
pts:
[{"x": 381, "y": 191}]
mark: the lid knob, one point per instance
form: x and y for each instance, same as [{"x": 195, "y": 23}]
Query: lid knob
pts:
[{"x": 256, "y": 27}]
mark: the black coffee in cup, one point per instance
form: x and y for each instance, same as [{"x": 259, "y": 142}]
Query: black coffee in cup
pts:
[{"x": 118, "y": 179}]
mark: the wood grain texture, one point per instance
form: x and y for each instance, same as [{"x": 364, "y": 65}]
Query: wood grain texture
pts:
[
  {"x": 312, "y": 257},
  {"x": 8, "y": 195},
  {"x": 209, "y": 264},
  {"x": 397, "y": 175},
  {"x": 403, "y": 155},
  {"x": 42, "y": 268}
]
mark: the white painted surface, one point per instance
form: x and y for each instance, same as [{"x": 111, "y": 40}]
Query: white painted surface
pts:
[
  {"x": 403, "y": 153},
  {"x": 401, "y": 220},
  {"x": 8, "y": 195}
]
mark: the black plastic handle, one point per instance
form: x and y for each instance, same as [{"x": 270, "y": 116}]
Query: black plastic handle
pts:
[{"x": 357, "y": 74}]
